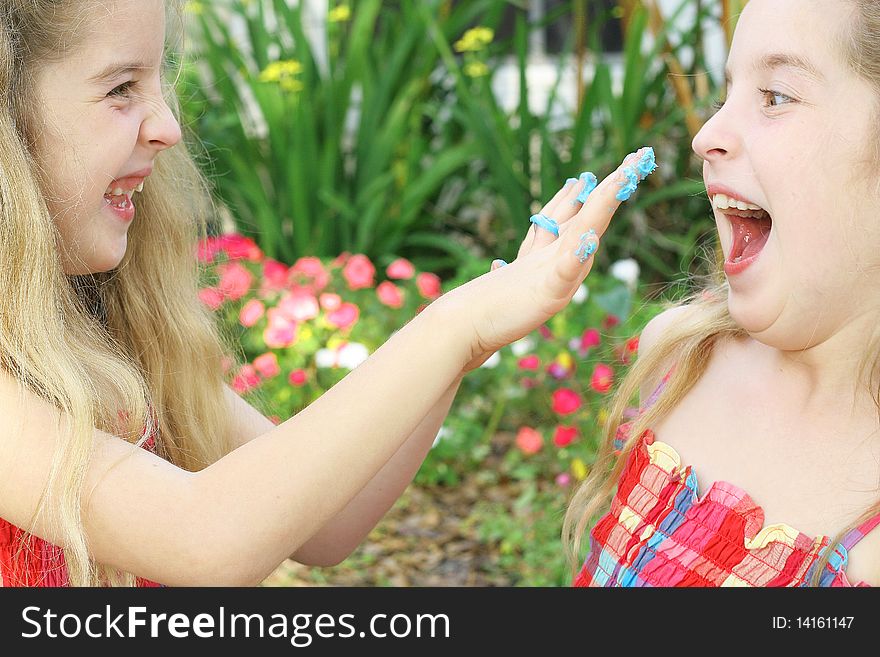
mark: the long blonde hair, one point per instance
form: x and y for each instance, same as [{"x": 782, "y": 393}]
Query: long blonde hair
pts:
[
  {"x": 108, "y": 347},
  {"x": 706, "y": 322}
]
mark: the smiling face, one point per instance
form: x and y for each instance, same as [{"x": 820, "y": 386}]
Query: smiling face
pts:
[
  {"x": 798, "y": 143},
  {"x": 96, "y": 132}
]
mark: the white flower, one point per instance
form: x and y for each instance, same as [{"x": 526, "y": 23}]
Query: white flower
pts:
[
  {"x": 522, "y": 347},
  {"x": 492, "y": 361},
  {"x": 325, "y": 358},
  {"x": 581, "y": 295},
  {"x": 626, "y": 270},
  {"x": 441, "y": 434},
  {"x": 574, "y": 344},
  {"x": 352, "y": 354}
]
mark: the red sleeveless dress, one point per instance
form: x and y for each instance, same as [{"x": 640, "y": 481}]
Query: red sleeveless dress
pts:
[{"x": 662, "y": 530}]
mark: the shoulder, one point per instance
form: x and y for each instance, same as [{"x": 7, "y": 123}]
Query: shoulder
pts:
[{"x": 649, "y": 336}]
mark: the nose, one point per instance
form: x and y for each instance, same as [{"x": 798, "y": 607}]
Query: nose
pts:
[
  {"x": 160, "y": 129},
  {"x": 717, "y": 138}
]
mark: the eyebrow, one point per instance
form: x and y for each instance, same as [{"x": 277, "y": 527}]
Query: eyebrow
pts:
[
  {"x": 776, "y": 60},
  {"x": 113, "y": 70}
]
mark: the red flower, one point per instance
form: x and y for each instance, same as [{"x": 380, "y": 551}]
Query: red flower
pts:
[
  {"x": 528, "y": 383},
  {"x": 564, "y": 436},
  {"x": 590, "y": 338},
  {"x": 401, "y": 269},
  {"x": 240, "y": 247},
  {"x": 529, "y": 363},
  {"x": 390, "y": 294},
  {"x": 344, "y": 316},
  {"x": 251, "y": 312},
  {"x": 610, "y": 321},
  {"x": 267, "y": 365},
  {"x": 529, "y": 441},
  {"x": 207, "y": 249},
  {"x": 211, "y": 297},
  {"x": 602, "y": 379},
  {"x": 309, "y": 272},
  {"x": 246, "y": 379},
  {"x": 546, "y": 333},
  {"x": 297, "y": 377},
  {"x": 274, "y": 274},
  {"x": 429, "y": 285},
  {"x": 359, "y": 272},
  {"x": 235, "y": 280},
  {"x": 566, "y": 401}
]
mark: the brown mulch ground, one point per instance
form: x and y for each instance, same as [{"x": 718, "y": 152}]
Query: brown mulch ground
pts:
[{"x": 427, "y": 539}]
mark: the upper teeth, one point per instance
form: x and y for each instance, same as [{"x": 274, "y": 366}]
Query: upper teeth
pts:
[
  {"x": 724, "y": 202},
  {"x": 118, "y": 191}
]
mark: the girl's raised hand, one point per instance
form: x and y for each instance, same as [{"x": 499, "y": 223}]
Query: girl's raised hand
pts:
[{"x": 553, "y": 260}]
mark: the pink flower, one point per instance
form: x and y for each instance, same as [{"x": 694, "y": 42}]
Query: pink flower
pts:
[
  {"x": 528, "y": 383},
  {"x": 226, "y": 364},
  {"x": 211, "y": 297},
  {"x": 602, "y": 379},
  {"x": 330, "y": 301},
  {"x": 300, "y": 305},
  {"x": 545, "y": 332},
  {"x": 309, "y": 272},
  {"x": 238, "y": 247},
  {"x": 267, "y": 365},
  {"x": 297, "y": 377},
  {"x": 566, "y": 401},
  {"x": 529, "y": 441},
  {"x": 274, "y": 274},
  {"x": 401, "y": 269},
  {"x": 564, "y": 436},
  {"x": 344, "y": 316},
  {"x": 251, "y": 312},
  {"x": 207, "y": 249},
  {"x": 390, "y": 294},
  {"x": 563, "y": 479},
  {"x": 429, "y": 285},
  {"x": 529, "y": 363},
  {"x": 246, "y": 379},
  {"x": 359, "y": 272},
  {"x": 590, "y": 338},
  {"x": 280, "y": 331},
  {"x": 341, "y": 259},
  {"x": 235, "y": 280}
]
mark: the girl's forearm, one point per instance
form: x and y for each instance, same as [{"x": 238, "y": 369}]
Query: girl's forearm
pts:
[
  {"x": 345, "y": 531},
  {"x": 276, "y": 491}
]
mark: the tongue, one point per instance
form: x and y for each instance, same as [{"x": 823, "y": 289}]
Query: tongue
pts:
[{"x": 749, "y": 235}]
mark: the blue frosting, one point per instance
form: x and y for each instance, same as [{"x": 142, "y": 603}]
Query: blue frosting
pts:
[
  {"x": 590, "y": 183},
  {"x": 634, "y": 174}
]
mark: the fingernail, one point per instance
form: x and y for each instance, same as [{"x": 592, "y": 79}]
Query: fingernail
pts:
[
  {"x": 590, "y": 183},
  {"x": 570, "y": 181},
  {"x": 498, "y": 263},
  {"x": 635, "y": 173},
  {"x": 587, "y": 246}
]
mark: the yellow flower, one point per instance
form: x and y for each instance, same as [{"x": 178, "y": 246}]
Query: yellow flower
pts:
[
  {"x": 304, "y": 333},
  {"x": 602, "y": 416},
  {"x": 192, "y": 7},
  {"x": 475, "y": 69},
  {"x": 475, "y": 39},
  {"x": 565, "y": 360},
  {"x": 339, "y": 14},
  {"x": 579, "y": 469},
  {"x": 283, "y": 73}
]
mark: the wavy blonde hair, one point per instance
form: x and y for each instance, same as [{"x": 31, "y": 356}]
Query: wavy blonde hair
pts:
[
  {"x": 690, "y": 341},
  {"x": 108, "y": 347}
]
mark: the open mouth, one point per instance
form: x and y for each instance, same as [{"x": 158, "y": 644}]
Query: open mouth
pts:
[{"x": 750, "y": 225}]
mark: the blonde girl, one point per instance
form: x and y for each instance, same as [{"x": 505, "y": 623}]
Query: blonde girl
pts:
[
  {"x": 755, "y": 459},
  {"x": 123, "y": 456}
]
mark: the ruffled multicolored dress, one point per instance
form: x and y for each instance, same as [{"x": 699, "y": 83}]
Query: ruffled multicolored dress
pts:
[
  {"x": 39, "y": 563},
  {"x": 661, "y": 532}
]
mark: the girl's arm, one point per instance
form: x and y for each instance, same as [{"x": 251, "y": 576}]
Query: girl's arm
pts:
[
  {"x": 236, "y": 520},
  {"x": 345, "y": 531}
]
